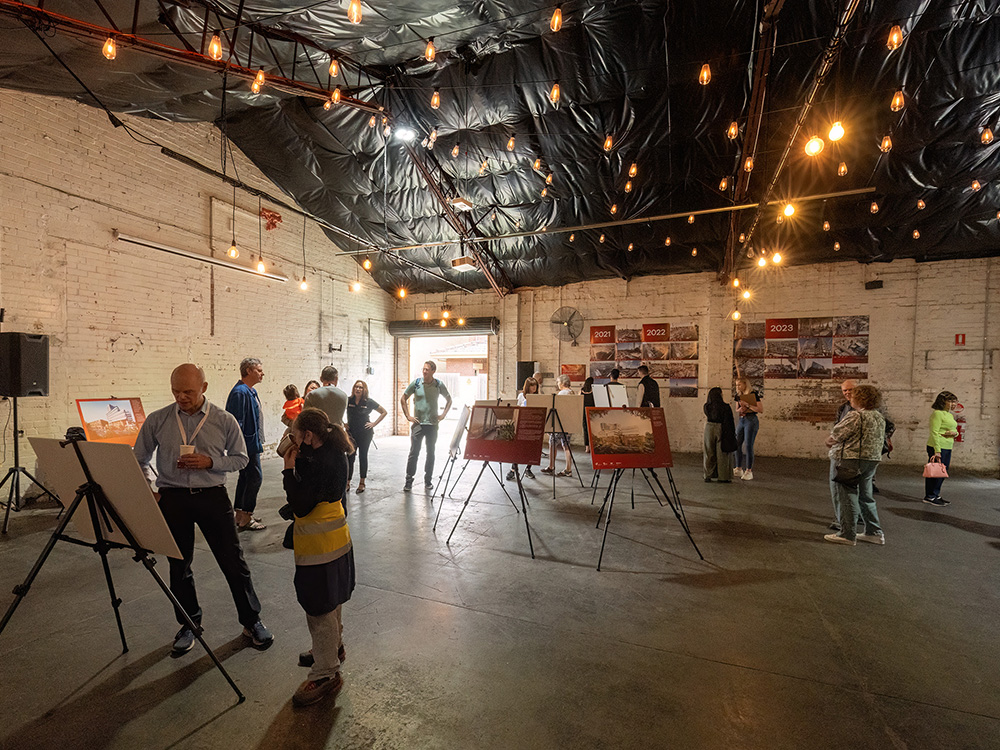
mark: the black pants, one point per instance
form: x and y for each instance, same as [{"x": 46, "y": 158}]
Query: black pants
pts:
[
  {"x": 429, "y": 434},
  {"x": 362, "y": 441},
  {"x": 248, "y": 485},
  {"x": 210, "y": 509},
  {"x": 932, "y": 487}
]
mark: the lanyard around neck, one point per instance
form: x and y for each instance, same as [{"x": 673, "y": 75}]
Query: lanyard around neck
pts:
[{"x": 184, "y": 437}]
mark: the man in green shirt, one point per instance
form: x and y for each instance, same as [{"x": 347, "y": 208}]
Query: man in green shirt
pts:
[{"x": 426, "y": 391}]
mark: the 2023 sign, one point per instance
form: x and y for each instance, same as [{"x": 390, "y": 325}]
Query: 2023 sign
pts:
[{"x": 781, "y": 328}]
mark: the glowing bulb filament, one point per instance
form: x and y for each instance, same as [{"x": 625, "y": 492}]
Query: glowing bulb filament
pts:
[
  {"x": 215, "y": 47},
  {"x": 916, "y": 234},
  {"x": 666, "y": 242},
  {"x": 814, "y": 145},
  {"x": 895, "y": 38},
  {"x": 554, "y": 94},
  {"x": 555, "y": 23},
  {"x": 303, "y": 285},
  {"x": 705, "y": 75},
  {"x": 633, "y": 170},
  {"x": 436, "y": 99},
  {"x": 548, "y": 179},
  {"x": 258, "y": 82},
  {"x": 401, "y": 293},
  {"x": 430, "y": 52},
  {"x": 367, "y": 265},
  {"x": 748, "y": 164},
  {"x": 691, "y": 219},
  {"x": 233, "y": 252},
  {"x": 723, "y": 184},
  {"x": 260, "y": 265},
  {"x": 537, "y": 165},
  {"x": 354, "y": 11},
  {"x": 334, "y": 67},
  {"x": 975, "y": 185},
  {"x": 356, "y": 286},
  {"x": 921, "y": 205},
  {"x": 762, "y": 261},
  {"x": 987, "y": 136},
  {"x": 734, "y": 130},
  {"x": 607, "y": 143},
  {"x": 736, "y": 282},
  {"x": 842, "y": 169},
  {"x": 886, "y": 145},
  {"x": 736, "y": 315},
  {"x": 336, "y": 95},
  {"x": 614, "y": 208},
  {"x": 789, "y": 209},
  {"x": 826, "y": 226},
  {"x": 874, "y": 207},
  {"x": 776, "y": 258},
  {"x": 109, "y": 49},
  {"x": 628, "y": 186},
  {"x": 897, "y": 102}
]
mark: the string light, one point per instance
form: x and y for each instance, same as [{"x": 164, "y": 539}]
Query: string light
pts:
[
  {"x": 836, "y": 131},
  {"x": 614, "y": 208},
  {"x": 789, "y": 209},
  {"x": 429, "y": 52},
  {"x": 555, "y": 23},
  {"x": 734, "y": 130},
  {"x": 780, "y": 219},
  {"x": 367, "y": 264},
  {"x": 215, "y": 47},
  {"x": 461, "y": 321},
  {"x": 886, "y": 145},
  {"x": 921, "y": 205},
  {"x": 746, "y": 294},
  {"x": 401, "y": 293},
  {"x": 327, "y": 104},
  {"x": 601, "y": 239},
  {"x": 748, "y": 164},
  {"x": 666, "y": 242},
  {"x": 444, "y": 324},
  {"x": 826, "y": 226},
  {"x": 554, "y": 94},
  {"x": 986, "y": 137},
  {"x": 510, "y": 142},
  {"x": 743, "y": 237},
  {"x": 258, "y": 82},
  {"x": 334, "y": 67},
  {"x": 842, "y": 169},
  {"x": 836, "y": 246},
  {"x": 482, "y": 167},
  {"x": 356, "y": 286},
  {"x": 630, "y": 247},
  {"x": 916, "y": 234},
  {"x": 690, "y": 218},
  {"x": 814, "y": 145},
  {"x": 975, "y": 185},
  {"x": 628, "y": 186},
  {"x": 736, "y": 315},
  {"x": 304, "y": 285},
  {"x": 897, "y": 101},
  {"x": 537, "y": 166},
  {"x": 371, "y": 121},
  {"x": 109, "y": 50},
  {"x": 548, "y": 179},
  {"x": 633, "y": 170},
  {"x": 723, "y": 184},
  {"x": 354, "y": 11},
  {"x": 776, "y": 258},
  {"x": 572, "y": 237},
  {"x": 705, "y": 75},
  {"x": 545, "y": 191},
  {"x": 694, "y": 252},
  {"x": 895, "y": 38},
  {"x": 233, "y": 251},
  {"x": 436, "y": 99},
  {"x": 260, "y": 264},
  {"x": 607, "y": 143},
  {"x": 874, "y": 207},
  {"x": 736, "y": 281},
  {"x": 762, "y": 261},
  {"x": 454, "y": 151}
]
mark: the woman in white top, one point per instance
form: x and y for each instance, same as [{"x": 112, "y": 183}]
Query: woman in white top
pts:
[
  {"x": 557, "y": 439},
  {"x": 530, "y": 386}
]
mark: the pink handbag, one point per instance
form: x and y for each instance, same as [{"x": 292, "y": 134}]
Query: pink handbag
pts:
[{"x": 934, "y": 469}]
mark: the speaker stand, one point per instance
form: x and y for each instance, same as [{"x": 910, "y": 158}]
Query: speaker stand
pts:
[{"x": 14, "y": 475}]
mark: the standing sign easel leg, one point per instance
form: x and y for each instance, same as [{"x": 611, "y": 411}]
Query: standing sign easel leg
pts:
[
  {"x": 527, "y": 528},
  {"x": 500, "y": 482},
  {"x": 607, "y": 522},
  {"x": 466, "y": 503},
  {"x": 676, "y": 507}
]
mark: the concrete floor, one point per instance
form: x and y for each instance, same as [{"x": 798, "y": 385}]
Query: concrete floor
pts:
[{"x": 777, "y": 640}]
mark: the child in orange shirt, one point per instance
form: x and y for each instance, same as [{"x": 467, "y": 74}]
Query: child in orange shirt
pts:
[{"x": 292, "y": 406}]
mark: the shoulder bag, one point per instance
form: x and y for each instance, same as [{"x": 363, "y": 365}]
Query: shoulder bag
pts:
[{"x": 849, "y": 469}]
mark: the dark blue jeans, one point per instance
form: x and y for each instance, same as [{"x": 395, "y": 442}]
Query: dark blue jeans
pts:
[
  {"x": 932, "y": 487},
  {"x": 362, "y": 442},
  {"x": 248, "y": 485},
  {"x": 429, "y": 434},
  {"x": 746, "y": 433}
]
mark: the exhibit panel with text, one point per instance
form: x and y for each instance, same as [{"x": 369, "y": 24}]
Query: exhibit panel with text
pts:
[
  {"x": 629, "y": 438},
  {"x": 506, "y": 434}
]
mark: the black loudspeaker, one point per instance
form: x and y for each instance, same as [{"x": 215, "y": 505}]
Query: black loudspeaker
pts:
[{"x": 24, "y": 365}]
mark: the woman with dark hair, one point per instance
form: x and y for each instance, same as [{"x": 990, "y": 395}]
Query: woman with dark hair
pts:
[
  {"x": 720, "y": 438},
  {"x": 315, "y": 477},
  {"x": 944, "y": 430},
  {"x": 361, "y": 429},
  {"x": 311, "y": 386},
  {"x": 858, "y": 437},
  {"x": 588, "y": 400},
  {"x": 530, "y": 386}
]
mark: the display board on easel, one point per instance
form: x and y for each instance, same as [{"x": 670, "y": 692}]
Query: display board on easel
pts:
[
  {"x": 611, "y": 395},
  {"x": 629, "y": 438},
  {"x": 569, "y": 408},
  {"x": 506, "y": 434}
]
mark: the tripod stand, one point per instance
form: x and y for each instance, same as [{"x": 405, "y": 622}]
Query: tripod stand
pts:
[
  {"x": 105, "y": 520},
  {"x": 14, "y": 474},
  {"x": 520, "y": 492}
]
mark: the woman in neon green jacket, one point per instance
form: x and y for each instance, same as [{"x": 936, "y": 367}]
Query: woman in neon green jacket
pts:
[{"x": 944, "y": 430}]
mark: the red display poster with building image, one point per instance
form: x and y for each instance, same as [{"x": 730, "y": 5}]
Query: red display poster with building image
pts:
[
  {"x": 577, "y": 373},
  {"x": 628, "y": 438},
  {"x": 506, "y": 434},
  {"x": 111, "y": 420}
]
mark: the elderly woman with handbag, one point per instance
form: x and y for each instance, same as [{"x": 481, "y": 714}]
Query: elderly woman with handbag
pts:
[
  {"x": 856, "y": 446},
  {"x": 944, "y": 430},
  {"x": 315, "y": 478}
]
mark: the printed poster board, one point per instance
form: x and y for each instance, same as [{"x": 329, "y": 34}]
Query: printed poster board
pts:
[
  {"x": 455, "y": 448},
  {"x": 630, "y": 438},
  {"x": 507, "y": 434},
  {"x": 669, "y": 350},
  {"x": 570, "y": 410},
  {"x": 114, "y": 467},
  {"x": 111, "y": 420},
  {"x": 613, "y": 395}
]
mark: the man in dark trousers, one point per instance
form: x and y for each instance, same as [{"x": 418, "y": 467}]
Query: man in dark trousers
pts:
[
  {"x": 196, "y": 444},
  {"x": 426, "y": 392},
  {"x": 244, "y": 404},
  {"x": 649, "y": 391}
]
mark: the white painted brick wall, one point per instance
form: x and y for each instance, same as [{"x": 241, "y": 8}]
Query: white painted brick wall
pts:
[{"x": 120, "y": 317}]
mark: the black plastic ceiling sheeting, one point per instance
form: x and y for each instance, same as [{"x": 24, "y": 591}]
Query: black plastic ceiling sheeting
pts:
[{"x": 626, "y": 69}]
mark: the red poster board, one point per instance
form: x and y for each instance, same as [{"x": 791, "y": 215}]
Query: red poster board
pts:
[
  {"x": 628, "y": 438},
  {"x": 656, "y": 332},
  {"x": 111, "y": 420},
  {"x": 508, "y": 434},
  {"x": 781, "y": 328},
  {"x": 577, "y": 373},
  {"x": 602, "y": 334}
]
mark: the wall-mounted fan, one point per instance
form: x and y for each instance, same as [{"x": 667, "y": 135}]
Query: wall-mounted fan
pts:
[{"x": 567, "y": 324}]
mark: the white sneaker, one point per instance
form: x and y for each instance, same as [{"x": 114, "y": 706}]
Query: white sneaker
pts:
[
  {"x": 872, "y": 538},
  {"x": 737, "y": 472},
  {"x": 748, "y": 474},
  {"x": 838, "y": 539}
]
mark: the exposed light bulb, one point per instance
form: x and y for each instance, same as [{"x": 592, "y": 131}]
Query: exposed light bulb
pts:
[
  {"x": 836, "y": 131},
  {"x": 633, "y": 170},
  {"x": 548, "y": 179},
  {"x": 572, "y": 237},
  {"x": 734, "y": 130},
  {"x": 537, "y": 165},
  {"x": 482, "y": 167},
  {"x": 748, "y": 164},
  {"x": 814, "y": 145},
  {"x": 303, "y": 285},
  {"x": 886, "y": 145},
  {"x": 921, "y": 205},
  {"x": 367, "y": 264},
  {"x": 446, "y": 313},
  {"x": 401, "y": 293},
  {"x": 555, "y": 23},
  {"x": 260, "y": 265},
  {"x": 426, "y": 315},
  {"x": 545, "y": 191},
  {"x": 614, "y": 208},
  {"x": 874, "y": 207},
  {"x": 895, "y": 38},
  {"x": 371, "y": 121},
  {"x": 258, "y": 82},
  {"x": 354, "y": 11},
  {"x": 836, "y": 246},
  {"x": 356, "y": 286},
  {"x": 327, "y": 104},
  {"x": 436, "y": 99},
  {"x": 666, "y": 242},
  {"x": 736, "y": 315},
  {"x": 215, "y": 47},
  {"x": 454, "y": 151},
  {"x": 842, "y": 169},
  {"x": 443, "y": 323},
  {"x": 630, "y": 247},
  {"x": 789, "y": 209},
  {"x": 690, "y": 218},
  {"x": 762, "y": 261},
  {"x": 461, "y": 321},
  {"x": 429, "y": 51},
  {"x": 628, "y": 186},
  {"x": 510, "y": 143},
  {"x": 554, "y": 94},
  {"x": 723, "y": 184},
  {"x": 607, "y": 143},
  {"x": 975, "y": 185},
  {"x": 705, "y": 75},
  {"x": 987, "y": 136},
  {"x": 233, "y": 251},
  {"x": 776, "y": 258},
  {"x": 736, "y": 281},
  {"x": 746, "y": 294},
  {"x": 826, "y": 226},
  {"x": 601, "y": 239},
  {"x": 780, "y": 219},
  {"x": 694, "y": 252},
  {"x": 916, "y": 234},
  {"x": 334, "y": 67},
  {"x": 109, "y": 50},
  {"x": 897, "y": 101}
]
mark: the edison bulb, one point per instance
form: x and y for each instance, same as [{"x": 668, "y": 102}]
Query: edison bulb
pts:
[
  {"x": 814, "y": 145},
  {"x": 886, "y": 145},
  {"x": 842, "y": 169},
  {"x": 426, "y": 315},
  {"x": 921, "y": 205},
  {"x": 429, "y": 51},
  {"x": 215, "y": 47},
  {"x": 762, "y": 261},
  {"x": 836, "y": 131},
  {"x": 826, "y": 226},
  {"x": 895, "y": 38},
  {"x": 776, "y": 258},
  {"x": 303, "y": 285},
  {"x": 736, "y": 315},
  {"x": 334, "y": 67},
  {"x": 356, "y": 286},
  {"x": 628, "y": 186},
  {"x": 723, "y": 184},
  {"x": 897, "y": 101},
  {"x": 916, "y": 234},
  {"x": 354, "y": 11},
  {"x": 435, "y": 99},
  {"x": 748, "y": 164},
  {"x": 746, "y": 294},
  {"x": 109, "y": 50},
  {"x": 554, "y": 94},
  {"x": 510, "y": 143},
  {"x": 633, "y": 169},
  {"x": 666, "y": 242},
  {"x": 401, "y": 293},
  {"x": 789, "y": 209},
  {"x": 705, "y": 75},
  {"x": 736, "y": 282},
  {"x": 367, "y": 264},
  {"x": 874, "y": 207},
  {"x": 454, "y": 151},
  {"x": 555, "y": 23},
  {"x": 987, "y": 136},
  {"x": 691, "y": 219},
  {"x": 233, "y": 251},
  {"x": 607, "y": 143},
  {"x": 836, "y": 246},
  {"x": 260, "y": 265},
  {"x": 734, "y": 130}
]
